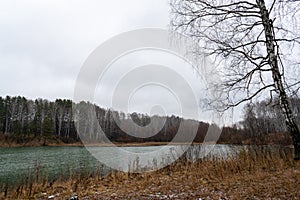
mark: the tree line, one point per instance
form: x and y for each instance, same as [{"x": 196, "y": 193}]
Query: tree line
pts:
[{"x": 25, "y": 119}]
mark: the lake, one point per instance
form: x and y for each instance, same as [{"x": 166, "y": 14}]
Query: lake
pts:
[{"x": 19, "y": 164}]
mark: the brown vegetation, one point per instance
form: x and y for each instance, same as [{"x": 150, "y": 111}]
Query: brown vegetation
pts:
[{"x": 14, "y": 141}]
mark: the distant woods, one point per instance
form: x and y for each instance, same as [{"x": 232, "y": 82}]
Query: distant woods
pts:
[
  {"x": 24, "y": 119},
  {"x": 265, "y": 123}
]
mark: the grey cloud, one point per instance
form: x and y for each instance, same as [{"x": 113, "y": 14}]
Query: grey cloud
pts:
[{"x": 44, "y": 43}]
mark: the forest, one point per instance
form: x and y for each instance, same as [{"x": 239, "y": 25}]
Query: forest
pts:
[{"x": 22, "y": 120}]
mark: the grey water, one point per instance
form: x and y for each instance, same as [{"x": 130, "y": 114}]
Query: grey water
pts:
[{"x": 20, "y": 164}]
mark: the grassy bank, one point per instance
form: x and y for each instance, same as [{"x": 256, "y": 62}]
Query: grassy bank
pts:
[
  {"x": 36, "y": 142},
  {"x": 32, "y": 141},
  {"x": 254, "y": 174}
]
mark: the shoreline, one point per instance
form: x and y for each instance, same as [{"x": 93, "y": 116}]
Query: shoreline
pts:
[
  {"x": 131, "y": 144},
  {"x": 80, "y": 144}
]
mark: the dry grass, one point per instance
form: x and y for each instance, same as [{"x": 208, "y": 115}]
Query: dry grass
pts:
[{"x": 255, "y": 174}]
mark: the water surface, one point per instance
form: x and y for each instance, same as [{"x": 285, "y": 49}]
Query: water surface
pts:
[{"x": 19, "y": 164}]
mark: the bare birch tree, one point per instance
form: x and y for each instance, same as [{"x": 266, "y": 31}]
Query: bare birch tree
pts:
[{"x": 255, "y": 44}]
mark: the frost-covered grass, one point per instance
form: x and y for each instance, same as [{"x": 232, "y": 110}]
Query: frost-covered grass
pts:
[{"x": 255, "y": 174}]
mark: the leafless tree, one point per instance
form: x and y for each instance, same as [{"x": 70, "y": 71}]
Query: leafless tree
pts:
[{"x": 253, "y": 43}]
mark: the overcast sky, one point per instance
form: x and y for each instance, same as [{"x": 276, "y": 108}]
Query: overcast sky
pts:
[{"x": 43, "y": 45}]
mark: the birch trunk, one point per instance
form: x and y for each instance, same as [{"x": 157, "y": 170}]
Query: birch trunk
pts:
[{"x": 277, "y": 78}]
